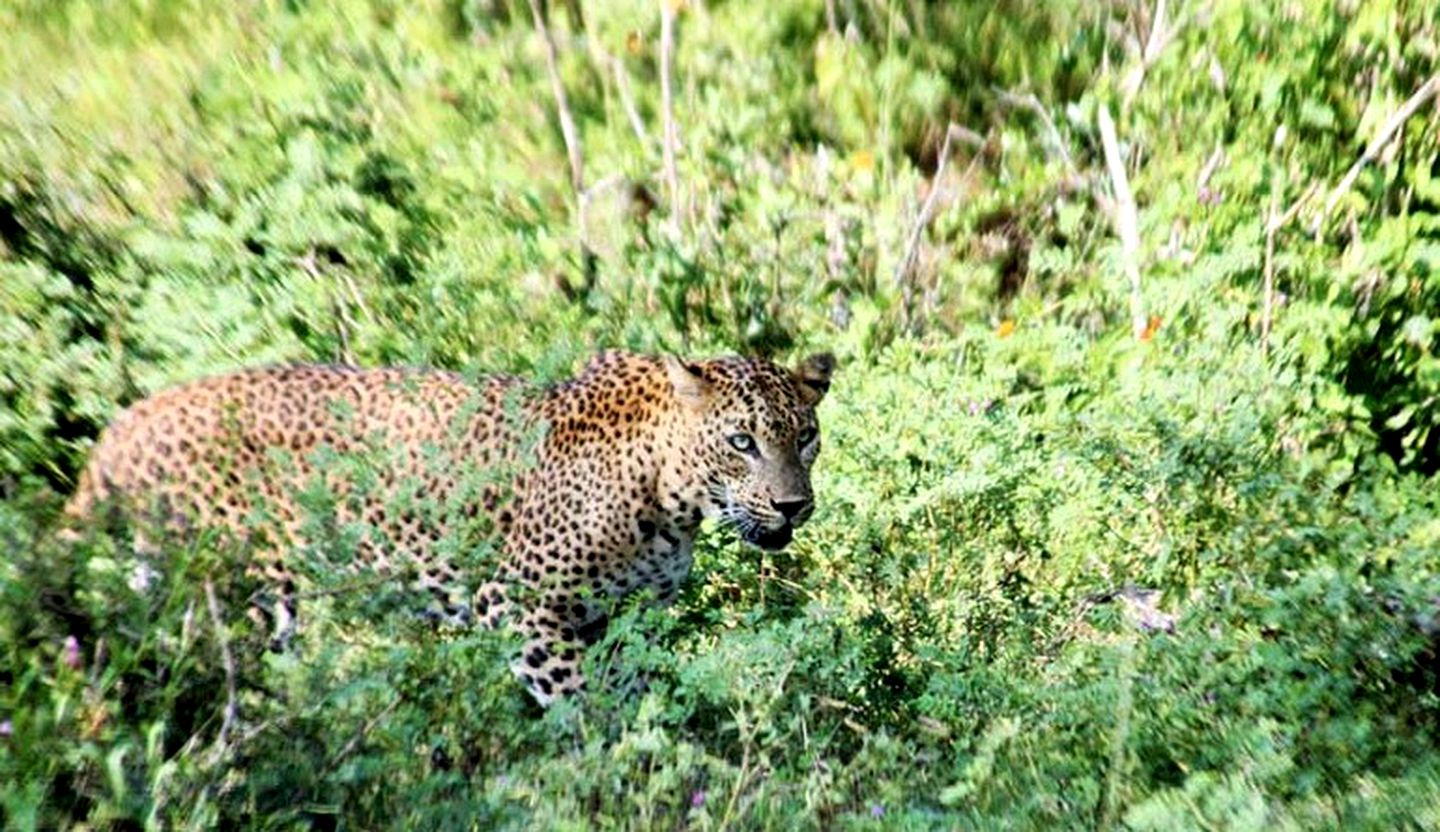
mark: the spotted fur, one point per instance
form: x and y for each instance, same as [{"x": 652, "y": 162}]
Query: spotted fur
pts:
[{"x": 604, "y": 478}]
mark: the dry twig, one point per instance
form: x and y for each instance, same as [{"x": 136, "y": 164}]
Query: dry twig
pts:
[
  {"x": 562, "y": 103},
  {"x": 627, "y": 100},
  {"x": 1160, "y": 37},
  {"x": 906, "y": 265},
  {"x": 1126, "y": 219},
  {"x": 232, "y": 708},
  {"x": 605, "y": 64},
  {"x": 1392, "y": 125},
  {"x": 667, "y": 107},
  {"x": 1212, "y": 164},
  {"x": 354, "y": 742},
  {"x": 571, "y": 136},
  {"x": 344, "y": 320},
  {"x": 1028, "y": 101}
]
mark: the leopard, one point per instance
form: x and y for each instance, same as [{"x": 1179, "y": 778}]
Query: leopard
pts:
[{"x": 595, "y": 487}]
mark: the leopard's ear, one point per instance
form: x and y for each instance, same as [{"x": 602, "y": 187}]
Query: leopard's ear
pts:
[
  {"x": 814, "y": 376},
  {"x": 689, "y": 384}
]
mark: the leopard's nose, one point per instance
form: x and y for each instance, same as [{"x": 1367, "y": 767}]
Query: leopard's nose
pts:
[{"x": 790, "y": 509}]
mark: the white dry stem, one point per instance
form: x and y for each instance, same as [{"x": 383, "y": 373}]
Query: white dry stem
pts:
[
  {"x": 1392, "y": 125},
  {"x": 671, "y": 138},
  {"x": 232, "y": 708},
  {"x": 906, "y": 265},
  {"x": 568, "y": 132},
  {"x": 1125, "y": 218}
]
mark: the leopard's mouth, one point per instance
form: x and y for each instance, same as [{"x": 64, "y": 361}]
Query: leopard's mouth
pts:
[
  {"x": 771, "y": 539},
  {"x": 753, "y": 528}
]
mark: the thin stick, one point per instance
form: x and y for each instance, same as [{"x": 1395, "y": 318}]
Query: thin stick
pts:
[
  {"x": 1028, "y": 101},
  {"x": 1212, "y": 164},
  {"x": 1427, "y": 91},
  {"x": 232, "y": 709},
  {"x": 627, "y": 100},
  {"x": 562, "y": 103},
  {"x": 742, "y": 779},
  {"x": 572, "y": 139},
  {"x": 354, "y": 742},
  {"x": 927, "y": 210},
  {"x": 667, "y": 106},
  {"x": 344, "y": 321},
  {"x": 1160, "y": 37},
  {"x": 1271, "y": 227},
  {"x": 1284, "y": 219},
  {"x": 1126, "y": 219}
]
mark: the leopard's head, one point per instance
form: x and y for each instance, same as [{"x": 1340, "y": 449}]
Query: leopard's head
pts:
[{"x": 749, "y": 439}]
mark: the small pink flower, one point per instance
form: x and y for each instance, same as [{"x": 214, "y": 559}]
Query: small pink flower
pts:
[
  {"x": 6, "y": 729},
  {"x": 697, "y": 798},
  {"x": 70, "y": 653}
]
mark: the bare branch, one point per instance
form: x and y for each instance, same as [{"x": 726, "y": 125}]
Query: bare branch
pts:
[
  {"x": 1285, "y": 218},
  {"x": 627, "y": 100},
  {"x": 1387, "y": 132},
  {"x": 1125, "y": 217},
  {"x": 605, "y": 64},
  {"x": 667, "y": 106},
  {"x": 232, "y": 708},
  {"x": 1028, "y": 101},
  {"x": 571, "y": 136},
  {"x": 359, "y": 737},
  {"x": 1217, "y": 157},
  {"x": 906, "y": 265},
  {"x": 1160, "y": 37},
  {"x": 562, "y": 103}
]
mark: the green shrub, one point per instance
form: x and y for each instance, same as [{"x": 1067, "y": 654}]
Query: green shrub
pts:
[{"x": 1058, "y": 576}]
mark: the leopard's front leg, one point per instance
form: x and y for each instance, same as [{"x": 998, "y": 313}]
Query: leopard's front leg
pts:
[{"x": 555, "y": 629}]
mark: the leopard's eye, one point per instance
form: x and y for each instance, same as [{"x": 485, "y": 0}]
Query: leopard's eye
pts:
[
  {"x": 806, "y": 437},
  {"x": 742, "y": 442}
]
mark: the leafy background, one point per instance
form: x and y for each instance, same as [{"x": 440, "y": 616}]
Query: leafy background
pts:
[{"x": 1066, "y": 571}]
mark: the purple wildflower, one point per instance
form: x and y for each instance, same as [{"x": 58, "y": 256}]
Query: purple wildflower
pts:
[
  {"x": 697, "y": 798},
  {"x": 877, "y": 811},
  {"x": 70, "y": 653},
  {"x": 6, "y": 729}
]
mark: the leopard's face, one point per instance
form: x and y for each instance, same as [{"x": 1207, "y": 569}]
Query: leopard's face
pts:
[{"x": 753, "y": 441}]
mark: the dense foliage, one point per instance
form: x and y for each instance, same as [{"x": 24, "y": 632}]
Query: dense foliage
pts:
[{"x": 1066, "y": 572}]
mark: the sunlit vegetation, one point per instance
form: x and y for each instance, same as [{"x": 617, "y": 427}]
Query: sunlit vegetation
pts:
[{"x": 1127, "y": 514}]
